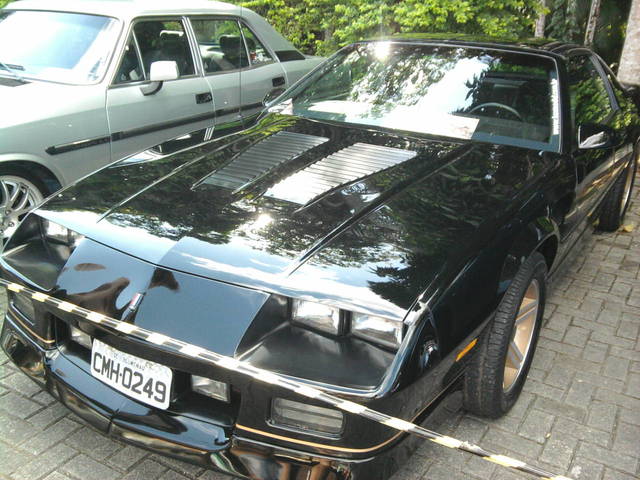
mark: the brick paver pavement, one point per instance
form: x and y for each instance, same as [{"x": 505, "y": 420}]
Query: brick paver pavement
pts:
[{"x": 579, "y": 412}]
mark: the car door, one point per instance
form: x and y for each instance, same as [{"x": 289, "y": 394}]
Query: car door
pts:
[
  {"x": 139, "y": 120},
  {"x": 222, "y": 54},
  {"x": 591, "y": 103},
  {"x": 263, "y": 76}
]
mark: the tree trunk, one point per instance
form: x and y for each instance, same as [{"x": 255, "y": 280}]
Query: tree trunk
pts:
[
  {"x": 629, "y": 71},
  {"x": 592, "y": 23},
  {"x": 542, "y": 20}
]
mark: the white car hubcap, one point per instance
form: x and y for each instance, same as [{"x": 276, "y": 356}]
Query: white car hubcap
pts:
[{"x": 17, "y": 197}]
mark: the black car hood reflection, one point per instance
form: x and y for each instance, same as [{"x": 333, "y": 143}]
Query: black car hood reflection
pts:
[{"x": 370, "y": 240}]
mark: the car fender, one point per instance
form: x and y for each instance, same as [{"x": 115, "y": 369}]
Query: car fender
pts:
[
  {"x": 24, "y": 159},
  {"x": 530, "y": 238}
]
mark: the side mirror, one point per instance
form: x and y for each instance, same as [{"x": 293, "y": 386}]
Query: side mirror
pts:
[
  {"x": 595, "y": 136},
  {"x": 158, "y": 73},
  {"x": 634, "y": 92}
]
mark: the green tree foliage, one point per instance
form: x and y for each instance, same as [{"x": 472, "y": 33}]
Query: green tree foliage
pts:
[
  {"x": 3, "y": 3},
  {"x": 567, "y": 21},
  {"x": 322, "y": 26}
]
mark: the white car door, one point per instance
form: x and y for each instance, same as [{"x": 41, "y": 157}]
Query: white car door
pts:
[
  {"x": 262, "y": 76},
  {"x": 139, "y": 120},
  {"x": 217, "y": 40}
]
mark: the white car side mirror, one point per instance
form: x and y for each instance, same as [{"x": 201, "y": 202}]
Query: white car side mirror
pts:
[
  {"x": 158, "y": 73},
  {"x": 163, "y": 71}
]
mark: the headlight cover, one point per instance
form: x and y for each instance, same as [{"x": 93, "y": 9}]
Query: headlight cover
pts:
[
  {"x": 384, "y": 331},
  {"x": 317, "y": 315}
]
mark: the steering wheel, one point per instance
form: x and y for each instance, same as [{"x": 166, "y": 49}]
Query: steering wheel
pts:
[{"x": 509, "y": 109}]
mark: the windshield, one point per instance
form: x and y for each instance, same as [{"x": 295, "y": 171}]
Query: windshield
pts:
[
  {"x": 60, "y": 47},
  {"x": 466, "y": 93}
]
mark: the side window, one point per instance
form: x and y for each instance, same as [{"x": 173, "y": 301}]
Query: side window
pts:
[
  {"x": 590, "y": 101},
  {"x": 162, "y": 40},
  {"x": 257, "y": 53},
  {"x": 130, "y": 68},
  {"x": 220, "y": 44}
]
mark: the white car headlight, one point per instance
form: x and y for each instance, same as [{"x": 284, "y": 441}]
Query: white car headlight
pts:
[
  {"x": 386, "y": 332},
  {"x": 317, "y": 315},
  {"x": 383, "y": 331}
]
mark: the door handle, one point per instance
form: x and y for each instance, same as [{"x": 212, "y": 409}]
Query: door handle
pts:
[
  {"x": 204, "y": 97},
  {"x": 278, "y": 81}
]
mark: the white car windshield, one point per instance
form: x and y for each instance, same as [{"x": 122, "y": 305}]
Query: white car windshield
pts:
[
  {"x": 56, "y": 46},
  {"x": 461, "y": 92}
]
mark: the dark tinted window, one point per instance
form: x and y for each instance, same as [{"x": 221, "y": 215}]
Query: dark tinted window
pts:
[{"x": 590, "y": 101}]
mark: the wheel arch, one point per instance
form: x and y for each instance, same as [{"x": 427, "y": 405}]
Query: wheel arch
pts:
[
  {"x": 539, "y": 235},
  {"x": 37, "y": 169}
]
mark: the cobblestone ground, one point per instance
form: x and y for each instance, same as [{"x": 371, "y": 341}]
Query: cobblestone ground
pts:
[{"x": 579, "y": 413}]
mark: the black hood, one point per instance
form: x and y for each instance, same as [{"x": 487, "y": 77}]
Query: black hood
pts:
[{"x": 361, "y": 218}]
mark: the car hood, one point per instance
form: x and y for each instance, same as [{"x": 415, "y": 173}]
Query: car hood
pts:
[
  {"x": 30, "y": 100},
  {"x": 362, "y": 219}
]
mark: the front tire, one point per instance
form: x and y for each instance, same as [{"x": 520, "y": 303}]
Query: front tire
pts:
[
  {"x": 497, "y": 372},
  {"x": 19, "y": 193},
  {"x": 617, "y": 201}
]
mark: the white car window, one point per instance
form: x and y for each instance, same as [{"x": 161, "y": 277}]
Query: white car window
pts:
[
  {"x": 220, "y": 44},
  {"x": 164, "y": 40},
  {"x": 130, "y": 69},
  {"x": 258, "y": 54}
]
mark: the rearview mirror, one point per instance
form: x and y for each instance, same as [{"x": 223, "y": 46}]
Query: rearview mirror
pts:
[
  {"x": 159, "y": 72},
  {"x": 595, "y": 136}
]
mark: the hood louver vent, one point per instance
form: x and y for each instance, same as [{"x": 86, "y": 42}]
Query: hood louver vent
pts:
[
  {"x": 345, "y": 166},
  {"x": 262, "y": 157}
]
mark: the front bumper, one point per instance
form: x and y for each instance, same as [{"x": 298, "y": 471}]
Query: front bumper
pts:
[{"x": 180, "y": 436}]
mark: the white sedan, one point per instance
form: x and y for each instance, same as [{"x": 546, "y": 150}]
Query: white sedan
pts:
[{"x": 85, "y": 83}]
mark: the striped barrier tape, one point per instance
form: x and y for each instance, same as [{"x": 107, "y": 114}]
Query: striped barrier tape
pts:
[{"x": 244, "y": 368}]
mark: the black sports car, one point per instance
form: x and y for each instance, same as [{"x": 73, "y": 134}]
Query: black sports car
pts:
[{"x": 384, "y": 232}]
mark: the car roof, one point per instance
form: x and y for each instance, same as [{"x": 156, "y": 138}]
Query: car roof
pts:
[
  {"x": 127, "y": 10},
  {"x": 539, "y": 45}
]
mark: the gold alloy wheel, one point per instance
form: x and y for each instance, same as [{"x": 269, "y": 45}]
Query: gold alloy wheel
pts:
[
  {"x": 522, "y": 335},
  {"x": 626, "y": 193}
]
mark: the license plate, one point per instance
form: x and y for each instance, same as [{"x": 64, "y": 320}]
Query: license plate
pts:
[{"x": 146, "y": 381}]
